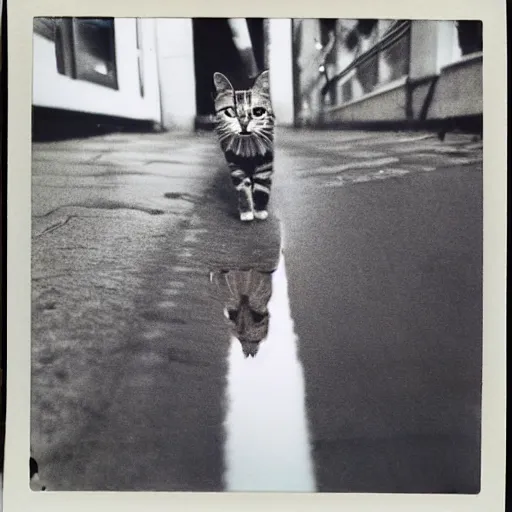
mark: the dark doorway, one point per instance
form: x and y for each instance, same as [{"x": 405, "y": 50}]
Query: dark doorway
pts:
[{"x": 214, "y": 50}]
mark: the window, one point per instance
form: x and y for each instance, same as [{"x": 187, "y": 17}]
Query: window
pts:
[
  {"x": 84, "y": 48},
  {"x": 395, "y": 59},
  {"x": 366, "y": 27},
  {"x": 328, "y": 31},
  {"x": 346, "y": 91},
  {"x": 368, "y": 73},
  {"x": 94, "y": 51}
]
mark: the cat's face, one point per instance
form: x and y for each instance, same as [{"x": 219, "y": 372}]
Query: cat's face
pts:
[
  {"x": 245, "y": 120},
  {"x": 249, "y": 324},
  {"x": 245, "y": 295}
]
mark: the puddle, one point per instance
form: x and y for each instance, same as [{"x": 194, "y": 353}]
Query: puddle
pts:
[
  {"x": 245, "y": 295},
  {"x": 267, "y": 444}
]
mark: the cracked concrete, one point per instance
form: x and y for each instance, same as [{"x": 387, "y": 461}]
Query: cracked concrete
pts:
[{"x": 106, "y": 239}]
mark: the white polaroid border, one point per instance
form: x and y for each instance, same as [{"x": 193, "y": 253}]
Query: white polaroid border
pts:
[{"x": 17, "y": 495}]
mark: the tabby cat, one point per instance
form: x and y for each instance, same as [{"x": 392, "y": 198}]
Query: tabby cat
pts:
[
  {"x": 245, "y": 295},
  {"x": 245, "y": 128}
]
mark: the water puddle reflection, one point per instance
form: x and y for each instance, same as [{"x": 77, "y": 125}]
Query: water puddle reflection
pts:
[
  {"x": 245, "y": 295},
  {"x": 267, "y": 439}
]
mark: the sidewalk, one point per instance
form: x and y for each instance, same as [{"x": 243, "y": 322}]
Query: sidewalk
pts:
[
  {"x": 115, "y": 297},
  {"x": 128, "y": 347},
  {"x": 125, "y": 334}
]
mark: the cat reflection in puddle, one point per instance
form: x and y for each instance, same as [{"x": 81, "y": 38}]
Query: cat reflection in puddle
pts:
[{"x": 245, "y": 295}]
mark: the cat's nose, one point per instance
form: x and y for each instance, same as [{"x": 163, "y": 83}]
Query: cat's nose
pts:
[{"x": 244, "y": 123}]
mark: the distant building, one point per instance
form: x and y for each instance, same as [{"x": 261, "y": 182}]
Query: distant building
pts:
[
  {"x": 364, "y": 72},
  {"x": 149, "y": 71}
]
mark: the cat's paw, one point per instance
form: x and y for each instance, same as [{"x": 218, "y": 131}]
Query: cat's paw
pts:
[
  {"x": 246, "y": 216},
  {"x": 261, "y": 214}
]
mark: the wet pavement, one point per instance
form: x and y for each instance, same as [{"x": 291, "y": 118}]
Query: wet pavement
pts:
[{"x": 364, "y": 284}]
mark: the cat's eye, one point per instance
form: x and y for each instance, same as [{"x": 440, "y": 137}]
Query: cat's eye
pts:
[
  {"x": 257, "y": 317},
  {"x": 230, "y": 112},
  {"x": 258, "y": 111},
  {"x": 233, "y": 314}
]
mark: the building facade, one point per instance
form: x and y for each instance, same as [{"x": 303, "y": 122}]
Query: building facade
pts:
[
  {"x": 361, "y": 72},
  {"x": 324, "y": 72},
  {"x": 153, "y": 70},
  {"x": 97, "y": 66}
]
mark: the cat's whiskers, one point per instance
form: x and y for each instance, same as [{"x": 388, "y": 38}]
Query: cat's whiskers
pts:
[
  {"x": 223, "y": 133},
  {"x": 261, "y": 146},
  {"x": 222, "y": 138},
  {"x": 268, "y": 133},
  {"x": 264, "y": 139},
  {"x": 258, "y": 142}
]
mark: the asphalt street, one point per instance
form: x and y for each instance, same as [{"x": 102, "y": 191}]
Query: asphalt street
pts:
[{"x": 377, "y": 242}]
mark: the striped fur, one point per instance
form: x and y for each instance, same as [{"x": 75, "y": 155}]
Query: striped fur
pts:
[
  {"x": 245, "y": 128},
  {"x": 245, "y": 295}
]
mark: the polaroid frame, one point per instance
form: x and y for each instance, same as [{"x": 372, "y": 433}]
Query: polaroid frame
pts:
[{"x": 17, "y": 495}]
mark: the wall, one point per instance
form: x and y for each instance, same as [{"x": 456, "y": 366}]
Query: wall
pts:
[
  {"x": 280, "y": 66},
  {"x": 387, "y": 104},
  {"x": 448, "y": 50},
  {"x": 420, "y": 96},
  {"x": 309, "y": 80},
  {"x": 459, "y": 90},
  {"x": 426, "y": 79},
  {"x": 175, "y": 47},
  {"x": 424, "y": 53},
  {"x": 50, "y": 89}
]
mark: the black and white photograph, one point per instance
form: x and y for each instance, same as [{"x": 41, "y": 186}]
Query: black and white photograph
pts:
[{"x": 256, "y": 255}]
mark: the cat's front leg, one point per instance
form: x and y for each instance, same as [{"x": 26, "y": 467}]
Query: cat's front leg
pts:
[
  {"x": 261, "y": 184},
  {"x": 243, "y": 186}
]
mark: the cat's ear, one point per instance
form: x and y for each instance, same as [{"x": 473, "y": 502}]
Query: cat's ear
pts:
[
  {"x": 262, "y": 83},
  {"x": 222, "y": 84}
]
